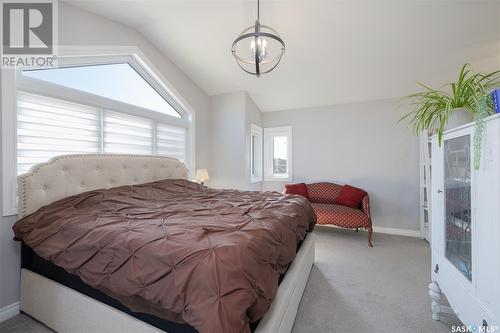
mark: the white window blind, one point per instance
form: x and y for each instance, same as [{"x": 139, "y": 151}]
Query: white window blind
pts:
[
  {"x": 49, "y": 127},
  {"x": 126, "y": 134},
  {"x": 171, "y": 141}
]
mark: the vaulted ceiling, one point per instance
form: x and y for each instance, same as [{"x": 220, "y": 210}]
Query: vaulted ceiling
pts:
[{"x": 336, "y": 51}]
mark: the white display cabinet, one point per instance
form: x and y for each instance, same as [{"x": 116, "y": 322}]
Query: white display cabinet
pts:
[{"x": 466, "y": 226}]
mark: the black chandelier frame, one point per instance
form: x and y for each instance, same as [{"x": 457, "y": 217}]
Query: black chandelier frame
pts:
[{"x": 256, "y": 34}]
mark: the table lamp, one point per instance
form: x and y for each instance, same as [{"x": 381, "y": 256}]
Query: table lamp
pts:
[{"x": 202, "y": 176}]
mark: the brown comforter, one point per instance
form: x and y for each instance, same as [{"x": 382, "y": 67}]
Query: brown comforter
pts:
[{"x": 210, "y": 258}]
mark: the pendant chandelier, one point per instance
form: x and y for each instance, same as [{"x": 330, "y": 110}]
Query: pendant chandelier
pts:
[{"x": 259, "y": 48}]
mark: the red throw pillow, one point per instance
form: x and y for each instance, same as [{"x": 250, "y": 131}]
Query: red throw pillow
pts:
[
  {"x": 300, "y": 189},
  {"x": 350, "y": 196}
]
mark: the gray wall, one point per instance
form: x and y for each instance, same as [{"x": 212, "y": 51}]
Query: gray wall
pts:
[
  {"x": 360, "y": 144},
  {"x": 230, "y": 117},
  {"x": 9, "y": 253},
  {"x": 227, "y": 145},
  {"x": 79, "y": 27}
]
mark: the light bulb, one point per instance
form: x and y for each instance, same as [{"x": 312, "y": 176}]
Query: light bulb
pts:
[
  {"x": 262, "y": 45},
  {"x": 262, "y": 49}
]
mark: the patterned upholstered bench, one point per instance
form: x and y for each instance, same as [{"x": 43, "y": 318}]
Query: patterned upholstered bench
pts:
[{"x": 322, "y": 197}]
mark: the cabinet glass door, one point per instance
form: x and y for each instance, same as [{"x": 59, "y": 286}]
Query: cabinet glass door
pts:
[{"x": 457, "y": 199}]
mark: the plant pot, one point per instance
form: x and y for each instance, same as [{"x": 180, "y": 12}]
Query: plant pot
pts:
[{"x": 457, "y": 118}]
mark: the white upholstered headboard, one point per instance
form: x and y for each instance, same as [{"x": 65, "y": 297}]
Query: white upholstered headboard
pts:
[{"x": 68, "y": 175}]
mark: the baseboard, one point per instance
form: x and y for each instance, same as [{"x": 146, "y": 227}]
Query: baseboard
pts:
[
  {"x": 397, "y": 231},
  {"x": 385, "y": 230},
  {"x": 9, "y": 311}
]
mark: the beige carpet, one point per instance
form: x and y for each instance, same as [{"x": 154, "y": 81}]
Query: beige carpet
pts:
[{"x": 352, "y": 288}]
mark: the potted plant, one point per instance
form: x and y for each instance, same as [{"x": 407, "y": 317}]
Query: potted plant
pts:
[{"x": 436, "y": 110}]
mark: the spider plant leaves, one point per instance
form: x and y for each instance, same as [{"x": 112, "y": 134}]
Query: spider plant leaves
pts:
[
  {"x": 482, "y": 113},
  {"x": 432, "y": 108}
]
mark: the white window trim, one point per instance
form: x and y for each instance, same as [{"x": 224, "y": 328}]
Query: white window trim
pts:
[
  {"x": 256, "y": 131},
  {"x": 269, "y": 134},
  {"x": 71, "y": 56}
]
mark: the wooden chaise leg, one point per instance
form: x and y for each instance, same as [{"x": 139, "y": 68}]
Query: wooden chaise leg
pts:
[
  {"x": 370, "y": 231},
  {"x": 356, "y": 229}
]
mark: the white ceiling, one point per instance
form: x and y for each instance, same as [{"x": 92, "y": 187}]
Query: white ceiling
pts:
[{"x": 336, "y": 51}]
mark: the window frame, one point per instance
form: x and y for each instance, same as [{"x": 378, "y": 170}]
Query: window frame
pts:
[
  {"x": 12, "y": 80},
  {"x": 269, "y": 134},
  {"x": 256, "y": 157}
]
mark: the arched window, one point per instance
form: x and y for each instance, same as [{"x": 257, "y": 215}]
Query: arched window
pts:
[{"x": 97, "y": 100}]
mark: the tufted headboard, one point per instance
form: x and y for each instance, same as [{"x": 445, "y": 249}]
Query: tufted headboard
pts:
[{"x": 68, "y": 175}]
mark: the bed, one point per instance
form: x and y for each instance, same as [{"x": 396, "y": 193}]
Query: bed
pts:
[{"x": 70, "y": 197}]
